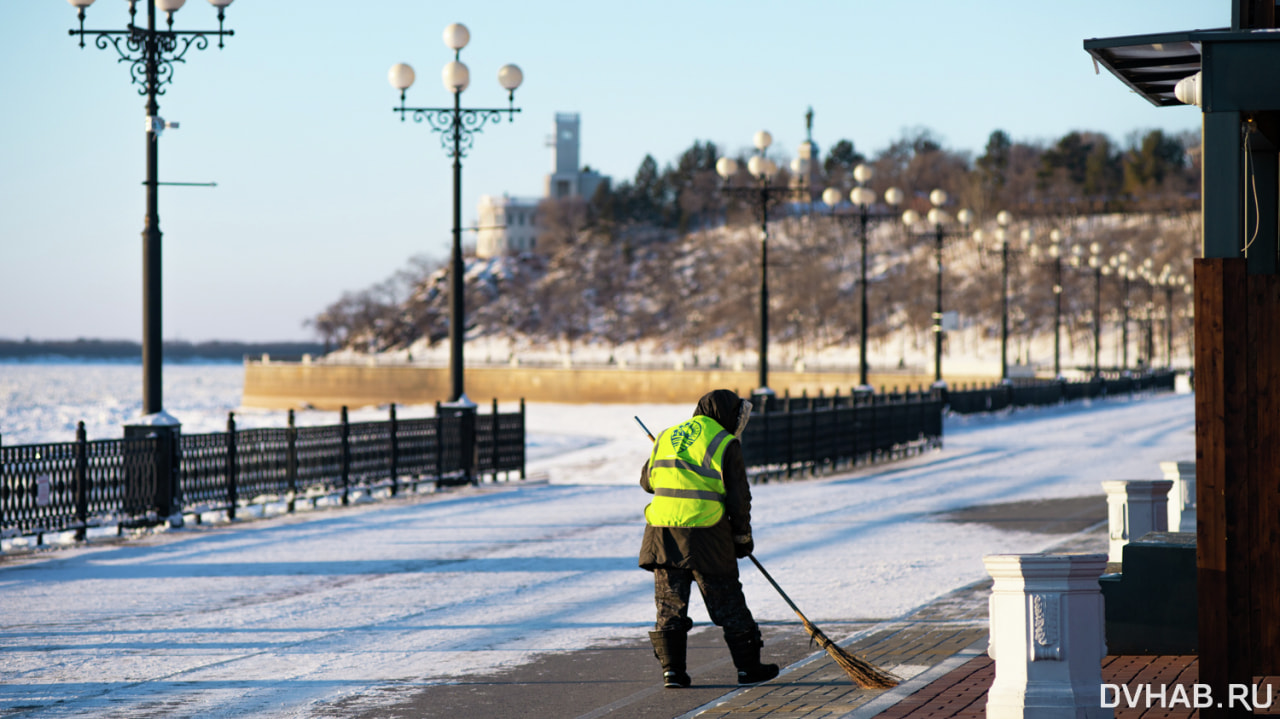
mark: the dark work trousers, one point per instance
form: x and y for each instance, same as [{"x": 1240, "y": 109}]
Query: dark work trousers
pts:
[{"x": 721, "y": 594}]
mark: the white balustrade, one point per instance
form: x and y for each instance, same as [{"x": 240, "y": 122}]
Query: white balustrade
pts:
[
  {"x": 1135, "y": 507},
  {"x": 1047, "y": 636},
  {"x": 1182, "y": 497}
]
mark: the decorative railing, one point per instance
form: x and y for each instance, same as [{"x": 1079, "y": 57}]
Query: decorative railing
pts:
[
  {"x": 1031, "y": 393},
  {"x": 791, "y": 435},
  {"x": 75, "y": 486}
]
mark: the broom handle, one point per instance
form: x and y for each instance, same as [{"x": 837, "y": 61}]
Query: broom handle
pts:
[
  {"x": 646, "y": 430},
  {"x": 785, "y": 598}
]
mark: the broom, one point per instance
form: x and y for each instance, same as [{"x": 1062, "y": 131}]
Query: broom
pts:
[{"x": 864, "y": 674}]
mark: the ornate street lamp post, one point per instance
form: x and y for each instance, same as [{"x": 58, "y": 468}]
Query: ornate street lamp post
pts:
[
  {"x": 1183, "y": 283},
  {"x": 862, "y": 197},
  {"x": 761, "y": 195},
  {"x": 1169, "y": 282},
  {"x": 151, "y": 53},
  {"x": 1003, "y": 219},
  {"x": 457, "y": 126},
  {"x": 1147, "y": 272},
  {"x": 1054, "y": 250},
  {"x": 1121, "y": 265},
  {"x": 1094, "y": 263},
  {"x": 938, "y": 218}
]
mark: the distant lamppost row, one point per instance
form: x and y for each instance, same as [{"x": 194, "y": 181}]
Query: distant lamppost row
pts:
[
  {"x": 938, "y": 218},
  {"x": 1185, "y": 285},
  {"x": 1054, "y": 250},
  {"x": 761, "y": 195},
  {"x": 1120, "y": 263},
  {"x": 1146, "y": 271},
  {"x": 150, "y": 54},
  {"x": 1169, "y": 282},
  {"x": 1003, "y": 219},
  {"x": 862, "y": 197},
  {"x": 1094, "y": 262},
  {"x": 457, "y": 126}
]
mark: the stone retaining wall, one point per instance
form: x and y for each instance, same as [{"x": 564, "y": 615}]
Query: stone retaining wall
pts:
[{"x": 286, "y": 385}]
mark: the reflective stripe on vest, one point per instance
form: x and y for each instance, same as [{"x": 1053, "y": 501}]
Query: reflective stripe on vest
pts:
[
  {"x": 686, "y": 476},
  {"x": 688, "y": 494}
]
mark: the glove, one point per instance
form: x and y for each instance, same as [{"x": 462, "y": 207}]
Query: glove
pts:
[{"x": 742, "y": 549}]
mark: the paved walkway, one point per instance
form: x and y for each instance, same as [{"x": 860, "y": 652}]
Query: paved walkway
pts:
[
  {"x": 962, "y": 692},
  {"x": 933, "y": 649},
  {"x": 920, "y": 647},
  {"x": 939, "y": 651}
]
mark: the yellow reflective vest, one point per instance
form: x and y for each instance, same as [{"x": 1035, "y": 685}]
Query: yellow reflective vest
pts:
[{"x": 685, "y": 475}]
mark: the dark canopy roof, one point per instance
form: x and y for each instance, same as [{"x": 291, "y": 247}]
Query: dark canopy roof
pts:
[{"x": 1151, "y": 64}]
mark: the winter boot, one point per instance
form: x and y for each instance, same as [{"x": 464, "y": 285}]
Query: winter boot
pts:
[
  {"x": 669, "y": 647},
  {"x": 744, "y": 647}
]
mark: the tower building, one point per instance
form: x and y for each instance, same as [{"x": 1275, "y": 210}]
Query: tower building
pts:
[
  {"x": 568, "y": 178},
  {"x": 509, "y": 224}
]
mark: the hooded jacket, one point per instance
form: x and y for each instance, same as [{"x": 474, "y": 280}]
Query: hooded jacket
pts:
[{"x": 706, "y": 549}]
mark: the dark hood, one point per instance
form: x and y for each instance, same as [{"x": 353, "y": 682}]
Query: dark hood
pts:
[{"x": 722, "y": 405}]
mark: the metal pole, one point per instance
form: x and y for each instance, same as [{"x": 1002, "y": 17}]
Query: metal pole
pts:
[
  {"x": 150, "y": 54},
  {"x": 457, "y": 306},
  {"x": 393, "y": 451},
  {"x": 862, "y": 338},
  {"x": 1057, "y": 318},
  {"x": 1097, "y": 319},
  {"x": 1151, "y": 325},
  {"x": 152, "y": 342},
  {"x": 937, "y": 315},
  {"x": 82, "y": 483},
  {"x": 1124, "y": 324},
  {"x": 764, "y": 284},
  {"x": 344, "y": 456},
  {"x": 1004, "y": 310},
  {"x": 233, "y": 490},
  {"x": 291, "y": 465}
]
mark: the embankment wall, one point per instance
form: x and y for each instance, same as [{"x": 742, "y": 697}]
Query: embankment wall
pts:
[{"x": 281, "y": 385}]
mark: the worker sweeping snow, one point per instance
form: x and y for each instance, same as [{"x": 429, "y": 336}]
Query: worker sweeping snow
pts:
[{"x": 697, "y": 528}]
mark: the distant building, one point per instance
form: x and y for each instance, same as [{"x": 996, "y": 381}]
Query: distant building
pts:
[
  {"x": 568, "y": 178},
  {"x": 506, "y": 225},
  {"x": 509, "y": 224}
]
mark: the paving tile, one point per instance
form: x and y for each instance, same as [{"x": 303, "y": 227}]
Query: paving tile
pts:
[{"x": 927, "y": 637}]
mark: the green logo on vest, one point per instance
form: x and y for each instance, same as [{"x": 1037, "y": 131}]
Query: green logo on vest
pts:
[{"x": 685, "y": 435}]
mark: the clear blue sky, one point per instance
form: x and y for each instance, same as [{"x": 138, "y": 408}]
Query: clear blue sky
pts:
[{"x": 321, "y": 189}]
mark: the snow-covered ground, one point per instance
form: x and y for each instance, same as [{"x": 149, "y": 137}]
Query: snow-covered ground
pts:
[{"x": 280, "y": 618}]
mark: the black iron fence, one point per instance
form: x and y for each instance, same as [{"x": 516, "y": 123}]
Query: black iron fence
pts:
[
  {"x": 1030, "y": 393},
  {"x": 790, "y": 435},
  {"x": 73, "y": 486},
  {"x": 795, "y": 435}
]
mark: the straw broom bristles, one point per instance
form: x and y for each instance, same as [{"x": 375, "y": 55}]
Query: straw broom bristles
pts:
[{"x": 864, "y": 674}]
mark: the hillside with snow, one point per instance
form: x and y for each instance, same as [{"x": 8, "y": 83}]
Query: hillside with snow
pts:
[{"x": 694, "y": 299}]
